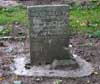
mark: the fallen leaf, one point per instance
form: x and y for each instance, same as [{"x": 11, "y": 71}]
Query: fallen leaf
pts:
[{"x": 2, "y": 78}]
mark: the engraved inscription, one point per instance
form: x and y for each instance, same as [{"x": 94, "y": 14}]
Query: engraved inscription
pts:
[{"x": 48, "y": 33}]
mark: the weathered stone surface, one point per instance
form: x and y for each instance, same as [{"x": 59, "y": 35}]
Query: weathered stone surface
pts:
[
  {"x": 48, "y": 33},
  {"x": 85, "y": 69}
]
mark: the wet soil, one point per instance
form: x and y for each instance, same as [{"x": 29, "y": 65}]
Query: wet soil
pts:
[{"x": 85, "y": 47}]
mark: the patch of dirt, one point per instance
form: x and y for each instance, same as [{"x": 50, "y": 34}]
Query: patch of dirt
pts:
[
  {"x": 7, "y": 3},
  {"x": 85, "y": 47}
]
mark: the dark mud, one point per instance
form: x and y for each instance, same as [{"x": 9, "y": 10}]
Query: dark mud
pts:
[{"x": 83, "y": 46}]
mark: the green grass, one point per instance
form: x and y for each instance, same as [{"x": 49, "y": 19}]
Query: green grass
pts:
[
  {"x": 85, "y": 20},
  {"x": 5, "y": 31},
  {"x": 12, "y": 14},
  {"x": 81, "y": 20}
]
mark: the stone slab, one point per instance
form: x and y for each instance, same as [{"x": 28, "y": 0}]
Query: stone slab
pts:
[
  {"x": 49, "y": 33},
  {"x": 85, "y": 69}
]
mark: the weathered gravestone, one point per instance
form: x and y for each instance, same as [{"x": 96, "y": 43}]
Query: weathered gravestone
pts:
[
  {"x": 49, "y": 40},
  {"x": 49, "y": 34}
]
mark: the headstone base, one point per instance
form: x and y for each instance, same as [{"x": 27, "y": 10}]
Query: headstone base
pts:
[{"x": 84, "y": 69}]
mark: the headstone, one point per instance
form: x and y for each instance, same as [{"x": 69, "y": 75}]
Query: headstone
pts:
[
  {"x": 49, "y": 41},
  {"x": 49, "y": 33}
]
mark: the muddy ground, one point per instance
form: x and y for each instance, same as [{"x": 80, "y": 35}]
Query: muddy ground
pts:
[{"x": 87, "y": 48}]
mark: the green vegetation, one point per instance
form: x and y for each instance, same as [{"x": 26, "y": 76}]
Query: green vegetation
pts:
[
  {"x": 4, "y": 31},
  {"x": 58, "y": 82},
  {"x": 83, "y": 20},
  {"x": 12, "y": 14},
  {"x": 95, "y": 34}
]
